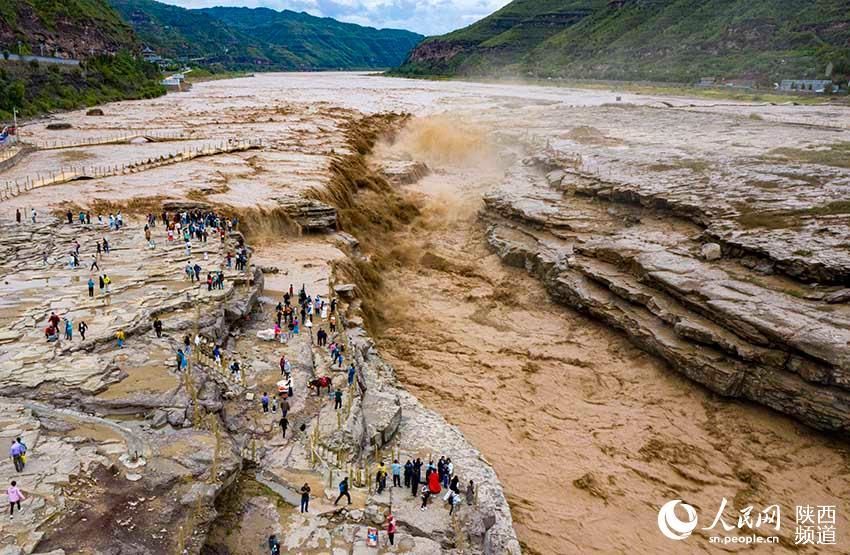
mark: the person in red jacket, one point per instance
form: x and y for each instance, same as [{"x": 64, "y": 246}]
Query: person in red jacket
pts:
[
  {"x": 434, "y": 483},
  {"x": 391, "y": 528}
]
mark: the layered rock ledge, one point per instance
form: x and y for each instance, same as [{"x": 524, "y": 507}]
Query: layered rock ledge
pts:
[{"x": 657, "y": 267}]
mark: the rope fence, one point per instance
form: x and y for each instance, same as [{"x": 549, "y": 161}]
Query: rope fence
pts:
[
  {"x": 11, "y": 189},
  {"x": 113, "y": 139}
]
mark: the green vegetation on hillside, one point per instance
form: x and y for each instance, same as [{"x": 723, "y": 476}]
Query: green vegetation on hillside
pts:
[
  {"x": 653, "y": 40},
  {"x": 250, "y": 39},
  {"x": 35, "y": 88},
  {"x": 86, "y": 29},
  {"x": 55, "y": 23}
]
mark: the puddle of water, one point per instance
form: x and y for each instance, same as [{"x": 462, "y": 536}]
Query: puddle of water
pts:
[
  {"x": 154, "y": 376},
  {"x": 95, "y": 432}
]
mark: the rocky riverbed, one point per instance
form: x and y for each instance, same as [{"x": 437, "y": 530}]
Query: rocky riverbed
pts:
[
  {"x": 126, "y": 452},
  {"x": 587, "y": 299}
]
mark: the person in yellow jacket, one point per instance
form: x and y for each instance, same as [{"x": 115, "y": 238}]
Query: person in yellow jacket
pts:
[
  {"x": 106, "y": 282},
  {"x": 119, "y": 335}
]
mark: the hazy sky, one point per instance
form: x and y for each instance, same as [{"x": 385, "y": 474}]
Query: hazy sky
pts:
[{"x": 429, "y": 17}]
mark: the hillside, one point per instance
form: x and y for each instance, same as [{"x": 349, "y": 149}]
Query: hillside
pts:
[
  {"x": 244, "y": 38},
  {"x": 657, "y": 40},
  {"x": 66, "y": 28},
  {"x": 86, "y": 30}
]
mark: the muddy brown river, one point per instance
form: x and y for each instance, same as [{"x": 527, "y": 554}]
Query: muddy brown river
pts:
[{"x": 588, "y": 434}]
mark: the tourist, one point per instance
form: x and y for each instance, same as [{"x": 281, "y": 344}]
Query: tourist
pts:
[
  {"x": 91, "y": 287},
  {"x": 343, "y": 491},
  {"x": 17, "y": 453},
  {"x": 24, "y": 450},
  {"x": 381, "y": 477},
  {"x": 120, "y": 336},
  {"x": 434, "y": 483},
  {"x": 283, "y": 365},
  {"x": 351, "y": 371},
  {"x": 106, "y": 282},
  {"x": 18, "y": 215},
  {"x": 157, "y": 327},
  {"x": 69, "y": 328},
  {"x": 106, "y": 247},
  {"x": 217, "y": 355},
  {"x": 94, "y": 264},
  {"x": 83, "y": 328},
  {"x": 470, "y": 493},
  {"x": 283, "y": 423},
  {"x": 337, "y": 399},
  {"x": 426, "y": 494},
  {"x": 333, "y": 323},
  {"x": 54, "y": 320},
  {"x": 408, "y": 470},
  {"x": 322, "y": 337},
  {"x": 450, "y": 470},
  {"x": 277, "y": 331},
  {"x": 391, "y": 528},
  {"x": 274, "y": 545},
  {"x": 181, "y": 360},
  {"x": 453, "y": 499},
  {"x": 235, "y": 370},
  {"x": 264, "y": 400},
  {"x": 454, "y": 484},
  {"x": 305, "y": 498},
  {"x": 33, "y": 215},
  {"x": 396, "y": 468},
  {"x": 51, "y": 333},
  {"x": 101, "y": 284},
  {"x": 15, "y": 498},
  {"x": 415, "y": 476}
]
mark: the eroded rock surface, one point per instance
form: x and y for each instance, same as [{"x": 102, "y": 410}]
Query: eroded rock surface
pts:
[{"x": 643, "y": 264}]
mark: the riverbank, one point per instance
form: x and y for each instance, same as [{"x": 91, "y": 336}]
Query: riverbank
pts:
[{"x": 677, "y": 90}]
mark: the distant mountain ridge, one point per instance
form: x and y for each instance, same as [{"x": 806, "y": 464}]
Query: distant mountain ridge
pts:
[
  {"x": 656, "y": 40},
  {"x": 261, "y": 38}
]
